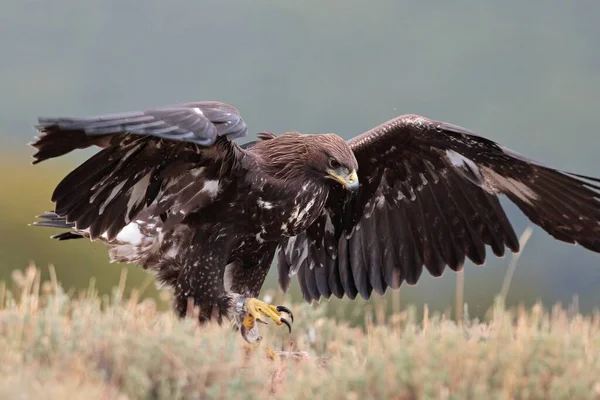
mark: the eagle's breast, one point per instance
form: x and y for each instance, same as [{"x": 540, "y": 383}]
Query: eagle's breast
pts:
[
  {"x": 289, "y": 213},
  {"x": 307, "y": 205}
]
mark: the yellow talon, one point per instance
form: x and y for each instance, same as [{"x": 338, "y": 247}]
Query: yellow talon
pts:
[{"x": 255, "y": 310}]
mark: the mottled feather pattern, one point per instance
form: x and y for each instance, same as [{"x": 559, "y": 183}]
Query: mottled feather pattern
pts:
[
  {"x": 156, "y": 167},
  {"x": 428, "y": 198},
  {"x": 107, "y": 192},
  {"x": 170, "y": 191}
]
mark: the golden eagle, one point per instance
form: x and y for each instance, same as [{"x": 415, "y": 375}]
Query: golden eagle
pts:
[{"x": 172, "y": 192}]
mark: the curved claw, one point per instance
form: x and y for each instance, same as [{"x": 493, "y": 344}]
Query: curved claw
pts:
[
  {"x": 254, "y": 311},
  {"x": 286, "y": 310},
  {"x": 285, "y": 321}
]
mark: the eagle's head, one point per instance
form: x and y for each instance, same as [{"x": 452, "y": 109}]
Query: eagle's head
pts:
[
  {"x": 324, "y": 157},
  {"x": 330, "y": 158}
]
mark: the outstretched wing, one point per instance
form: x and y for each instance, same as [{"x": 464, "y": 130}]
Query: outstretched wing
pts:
[
  {"x": 200, "y": 123},
  {"x": 428, "y": 197},
  {"x": 174, "y": 160}
]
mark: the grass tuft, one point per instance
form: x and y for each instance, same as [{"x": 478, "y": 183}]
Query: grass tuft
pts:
[{"x": 58, "y": 346}]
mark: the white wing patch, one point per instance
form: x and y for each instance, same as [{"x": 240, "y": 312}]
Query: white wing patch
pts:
[
  {"x": 130, "y": 234},
  {"x": 489, "y": 180},
  {"x": 499, "y": 183},
  {"x": 458, "y": 160},
  {"x": 267, "y": 205},
  {"x": 136, "y": 242},
  {"x": 465, "y": 166},
  {"x": 211, "y": 187}
]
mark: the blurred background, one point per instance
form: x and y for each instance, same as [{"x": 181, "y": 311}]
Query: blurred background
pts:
[{"x": 526, "y": 74}]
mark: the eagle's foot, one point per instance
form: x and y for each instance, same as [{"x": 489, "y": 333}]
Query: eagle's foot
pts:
[{"x": 253, "y": 311}]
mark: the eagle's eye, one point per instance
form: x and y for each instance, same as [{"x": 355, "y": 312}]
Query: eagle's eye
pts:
[{"x": 334, "y": 164}]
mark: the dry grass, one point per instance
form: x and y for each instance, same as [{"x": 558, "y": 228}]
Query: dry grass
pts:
[{"x": 56, "y": 346}]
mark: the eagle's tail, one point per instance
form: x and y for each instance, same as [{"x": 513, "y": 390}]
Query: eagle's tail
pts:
[{"x": 53, "y": 220}]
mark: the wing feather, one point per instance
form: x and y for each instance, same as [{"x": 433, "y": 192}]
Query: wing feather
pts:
[
  {"x": 360, "y": 266},
  {"x": 334, "y": 279},
  {"x": 321, "y": 276},
  {"x": 429, "y": 198},
  {"x": 169, "y": 160},
  {"x": 374, "y": 253},
  {"x": 460, "y": 210},
  {"x": 200, "y": 123},
  {"x": 345, "y": 269}
]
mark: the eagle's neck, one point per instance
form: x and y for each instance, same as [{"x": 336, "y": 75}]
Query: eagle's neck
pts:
[{"x": 290, "y": 192}]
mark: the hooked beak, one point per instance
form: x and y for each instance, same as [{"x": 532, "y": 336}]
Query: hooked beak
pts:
[{"x": 349, "y": 180}]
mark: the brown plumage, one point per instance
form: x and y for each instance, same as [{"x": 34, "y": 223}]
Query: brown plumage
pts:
[
  {"x": 293, "y": 155},
  {"x": 428, "y": 198},
  {"x": 172, "y": 192}
]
